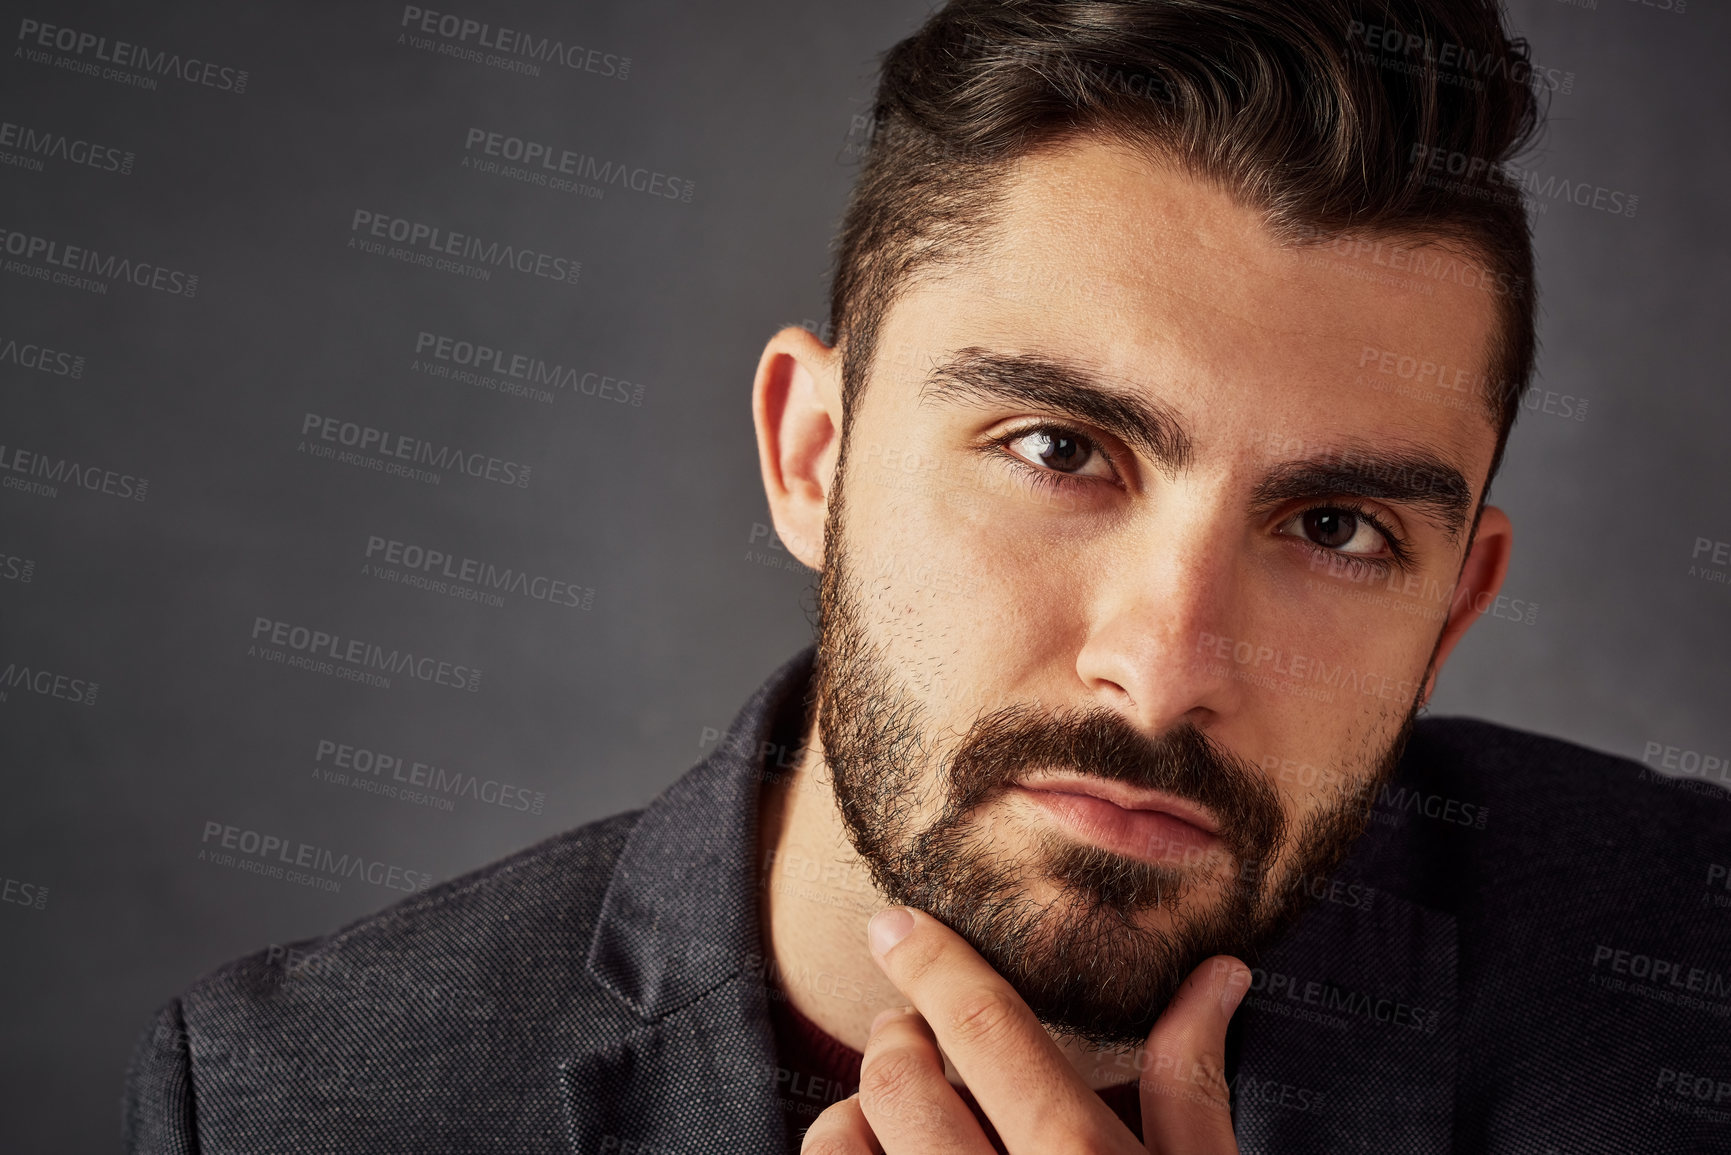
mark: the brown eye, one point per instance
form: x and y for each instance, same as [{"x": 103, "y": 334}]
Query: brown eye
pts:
[
  {"x": 1060, "y": 450},
  {"x": 1337, "y": 529},
  {"x": 1330, "y": 527}
]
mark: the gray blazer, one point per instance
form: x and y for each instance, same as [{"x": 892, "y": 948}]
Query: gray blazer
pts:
[{"x": 1523, "y": 955}]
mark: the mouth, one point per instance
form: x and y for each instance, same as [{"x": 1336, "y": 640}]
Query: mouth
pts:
[{"x": 1149, "y": 825}]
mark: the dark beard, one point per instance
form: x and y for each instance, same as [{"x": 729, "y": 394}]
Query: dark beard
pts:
[{"x": 1083, "y": 963}]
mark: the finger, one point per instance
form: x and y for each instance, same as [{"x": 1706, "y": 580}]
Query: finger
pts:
[
  {"x": 1185, "y": 1104},
  {"x": 907, "y": 1100},
  {"x": 841, "y": 1130},
  {"x": 1020, "y": 1078}
]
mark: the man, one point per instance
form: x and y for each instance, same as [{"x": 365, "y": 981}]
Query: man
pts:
[{"x": 1101, "y": 817}]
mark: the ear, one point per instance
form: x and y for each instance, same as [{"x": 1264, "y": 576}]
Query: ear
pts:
[
  {"x": 796, "y": 406},
  {"x": 1482, "y": 573}
]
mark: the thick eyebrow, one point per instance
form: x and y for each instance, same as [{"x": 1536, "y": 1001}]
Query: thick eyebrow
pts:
[
  {"x": 980, "y": 376},
  {"x": 1403, "y": 476},
  {"x": 1409, "y": 477}
]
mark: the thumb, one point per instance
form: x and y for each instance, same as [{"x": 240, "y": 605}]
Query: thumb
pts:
[{"x": 1185, "y": 1105}]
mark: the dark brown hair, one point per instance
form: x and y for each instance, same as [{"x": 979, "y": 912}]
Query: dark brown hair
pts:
[{"x": 1382, "y": 121}]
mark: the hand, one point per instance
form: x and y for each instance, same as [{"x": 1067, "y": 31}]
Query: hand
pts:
[{"x": 1016, "y": 1072}]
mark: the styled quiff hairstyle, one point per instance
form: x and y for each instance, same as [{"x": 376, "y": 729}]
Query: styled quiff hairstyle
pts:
[{"x": 1333, "y": 118}]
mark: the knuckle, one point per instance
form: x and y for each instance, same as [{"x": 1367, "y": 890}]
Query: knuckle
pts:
[
  {"x": 891, "y": 1079},
  {"x": 832, "y": 1134},
  {"x": 982, "y": 1017}
]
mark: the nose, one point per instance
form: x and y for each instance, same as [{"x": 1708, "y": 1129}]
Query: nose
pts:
[{"x": 1168, "y": 596}]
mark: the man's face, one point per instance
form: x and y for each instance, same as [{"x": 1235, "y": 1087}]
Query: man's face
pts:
[{"x": 1133, "y": 573}]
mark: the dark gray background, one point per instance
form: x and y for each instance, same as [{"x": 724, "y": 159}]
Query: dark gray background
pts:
[{"x": 653, "y": 506}]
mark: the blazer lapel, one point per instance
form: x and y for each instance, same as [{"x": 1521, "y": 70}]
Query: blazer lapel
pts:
[
  {"x": 678, "y": 945},
  {"x": 698, "y": 1081}
]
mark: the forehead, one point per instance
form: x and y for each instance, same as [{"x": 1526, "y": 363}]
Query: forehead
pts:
[{"x": 1101, "y": 256}]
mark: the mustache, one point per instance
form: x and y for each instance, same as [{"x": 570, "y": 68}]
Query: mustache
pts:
[{"x": 1009, "y": 743}]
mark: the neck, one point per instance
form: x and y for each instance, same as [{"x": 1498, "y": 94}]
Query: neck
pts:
[{"x": 816, "y": 897}]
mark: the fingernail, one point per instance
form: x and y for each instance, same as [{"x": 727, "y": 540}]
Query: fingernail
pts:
[
  {"x": 888, "y": 927},
  {"x": 883, "y": 1017},
  {"x": 1232, "y": 993}
]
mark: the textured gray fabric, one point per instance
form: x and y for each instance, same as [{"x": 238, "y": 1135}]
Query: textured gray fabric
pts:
[{"x": 603, "y": 991}]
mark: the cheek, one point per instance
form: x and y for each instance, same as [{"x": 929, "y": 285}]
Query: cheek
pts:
[
  {"x": 1327, "y": 672},
  {"x": 971, "y": 607},
  {"x": 1319, "y": 764},
  {"x": 1378, "y": 624}
]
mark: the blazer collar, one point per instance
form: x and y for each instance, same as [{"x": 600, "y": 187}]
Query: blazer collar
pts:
[
  {"x": 680, "y": 916},
  {"x": 677, "y": 943}
]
